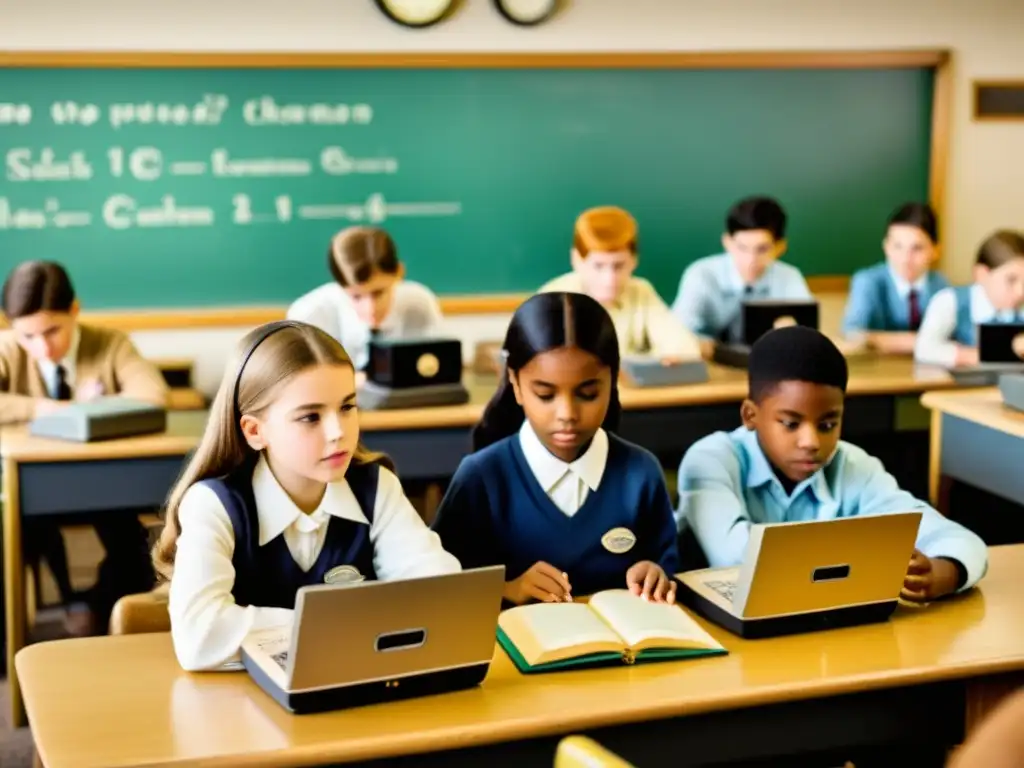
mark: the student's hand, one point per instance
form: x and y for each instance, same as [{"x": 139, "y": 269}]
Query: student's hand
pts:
[
  {"x": 966, "y": 355},
  {"x": 89, "y": 390},
  {"x": 648, "y": 580},
  {"x": 707, "y": 348},
  {"x": 928, "y": 578},
  {"x": 672, "y": 360},
  {"x": 46, "y": 406},
  {"x": 541, "y": 582},
  {"x": 894, "y": 343}
]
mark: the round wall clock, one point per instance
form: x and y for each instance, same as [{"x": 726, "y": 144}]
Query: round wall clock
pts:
[
  {"x": 415, "y": 13},
  {"x": 527, "y": 13}
]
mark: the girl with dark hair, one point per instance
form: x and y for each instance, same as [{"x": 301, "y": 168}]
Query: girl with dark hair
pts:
[{"x": 550, "y": 492}]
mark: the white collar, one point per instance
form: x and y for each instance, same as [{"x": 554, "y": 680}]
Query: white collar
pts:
[
  {"x": 276, "y": 511},
  {"x": 736, "y": 280},
  {"x": 549, "y": 469},
  {"x": 903, "y": 287},
  {"x": 48, "y": 367}
]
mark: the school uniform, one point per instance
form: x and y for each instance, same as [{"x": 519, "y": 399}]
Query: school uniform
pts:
[
  {"x": 98, "y": 359},
  {"x": 952, "y": 318},
  {"x": 515, "y": 504},
  {"x": 711, "y": 294},
  {"x": 245, "y": 549},
  {"x": 726, "y": 483},
  {"x": 415, "y": 312},
  {"x": 881, "y": 300},
  {"x": 643, "y": 322}
]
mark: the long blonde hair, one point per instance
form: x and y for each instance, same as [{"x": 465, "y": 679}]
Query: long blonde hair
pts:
[{"x": 280, "y": 353}]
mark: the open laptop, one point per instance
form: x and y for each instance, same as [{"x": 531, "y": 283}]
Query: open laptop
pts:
[
  {"x": 1000, "y": 350},
  {"x": 648, "y": 371},
  {"x": 806, "y": 576},
  {"x": 363, "y": 643},
  {"x": 758, "y": 316}
]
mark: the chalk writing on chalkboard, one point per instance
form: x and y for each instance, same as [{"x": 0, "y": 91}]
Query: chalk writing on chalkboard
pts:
[{"x": 25, "y": 165}]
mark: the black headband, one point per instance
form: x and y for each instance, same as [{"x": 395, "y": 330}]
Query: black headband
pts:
[{"x": 267, "y": 330}]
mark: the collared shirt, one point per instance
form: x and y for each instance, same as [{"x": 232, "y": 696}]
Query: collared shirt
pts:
[
  {"x": 903, "y": 287},
  {"x": 48, "y": 368},
  {"x": 879, "y": 299},
  {"x": 208, "y": 627},
  {"x": 415, "y": 312},
  {"x": 643, "y": 322},
  {"x": 566, "y": 484},
  {"x": 726, "y": 484},
  {"x": 711, "y": 293},
  {"x": 934, "y": 339}
]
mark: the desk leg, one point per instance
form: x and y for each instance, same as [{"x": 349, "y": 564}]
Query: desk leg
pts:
[
  {"x": 935, "y": 457},
  {"x": 984, "y": 694},
  {"x": 14, "y": 590}
]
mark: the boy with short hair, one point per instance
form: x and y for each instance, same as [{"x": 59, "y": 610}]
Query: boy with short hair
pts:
[
  {"x": 369, "y": 296},
  {"x": 713, "y": 289},
  {"x": 47, "y": 360},
  {"x": 604, "y": 257},
  {"x": 787, "y": 463}
]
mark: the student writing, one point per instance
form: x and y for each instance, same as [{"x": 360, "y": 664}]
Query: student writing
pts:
[
  {"x": 712, "y": 289},
  {"x": 369, "y": 296},
  {"x": 604, "y": 257},
  {"x": 948, "y": 334},
  {"x": 887, "y": 301},
  {"x": 49, "y": 359},
  {"x": 550, "y": 492},
  {"x": 787, "y": 463},
  {"x": 280, "y": 494}
]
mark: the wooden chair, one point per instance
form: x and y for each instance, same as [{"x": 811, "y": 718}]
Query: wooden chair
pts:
[
  {"x": 584, "y": 752},
  {"x": 141, "y": 613}
]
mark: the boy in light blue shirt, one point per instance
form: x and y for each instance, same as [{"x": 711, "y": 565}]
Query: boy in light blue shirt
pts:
[
  {"x": 787, "y": 463},
  {"x": 713, "y": 289},
  {"x": 887, "y": 301}
]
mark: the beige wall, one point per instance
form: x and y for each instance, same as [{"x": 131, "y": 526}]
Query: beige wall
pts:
[{"x": 986, "y": 163}]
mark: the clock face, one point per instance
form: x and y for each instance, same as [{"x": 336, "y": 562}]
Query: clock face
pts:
[
  {"x": 416, "y": 13},
  {"x": 527, "y": 12}
]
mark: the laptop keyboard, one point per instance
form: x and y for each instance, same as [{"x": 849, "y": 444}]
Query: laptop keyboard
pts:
[
  {"x": 281, "y": 659},
  {"x": 725, "y": 588}
]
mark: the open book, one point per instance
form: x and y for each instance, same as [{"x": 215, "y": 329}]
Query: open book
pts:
[{"x": 614, "y": 627}]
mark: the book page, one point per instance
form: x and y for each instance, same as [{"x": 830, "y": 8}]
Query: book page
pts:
[
  {"x": 644, "y": 624},
  {"x": 546, "y": 632}
]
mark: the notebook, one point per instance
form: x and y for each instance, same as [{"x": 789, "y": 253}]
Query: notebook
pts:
[
  {"x": 614, "y": 627},
  {"x": 105, "y": 418},
  {"x": 413, "y": 637},
  {"x": 805, "y": 576}
]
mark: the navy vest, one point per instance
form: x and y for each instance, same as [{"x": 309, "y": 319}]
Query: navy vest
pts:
[{"x": 268, "y": 576}]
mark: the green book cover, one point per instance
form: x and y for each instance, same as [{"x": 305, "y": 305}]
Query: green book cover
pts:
[{"x": 592, "y": 660}]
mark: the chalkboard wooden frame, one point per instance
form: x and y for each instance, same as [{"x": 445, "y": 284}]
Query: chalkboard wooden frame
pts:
[{"x": 937, "y": 59}]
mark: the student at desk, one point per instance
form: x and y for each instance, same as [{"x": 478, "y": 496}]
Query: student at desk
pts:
[
  {"x": 948, "y": 334},
  {"x": 604, "y": 256},
  {"x": 551, "y": 493},
  {"x": 888, "y": 300},
  {"x": 280, "y": 494},
  {"x": 787, "y": 463},
  {"x": 47, "y": 359},
  {"x": 713, "y": 289},
  {"x": 369, "y": 295}
]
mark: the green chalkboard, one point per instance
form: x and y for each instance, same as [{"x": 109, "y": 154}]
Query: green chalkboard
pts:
[{"x": 192, "y": 187}]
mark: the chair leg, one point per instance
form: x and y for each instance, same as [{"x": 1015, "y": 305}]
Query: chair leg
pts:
[{"x": 31, "y": 594}]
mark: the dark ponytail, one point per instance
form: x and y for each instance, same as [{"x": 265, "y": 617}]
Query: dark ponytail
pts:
[{"x": 544, "y": 322}]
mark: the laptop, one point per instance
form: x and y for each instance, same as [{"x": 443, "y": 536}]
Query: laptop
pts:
[
  {"x": 807, "y": 576},
  {"x": 413, "y": 373},
  {"x": 367, "y": 642},
  {"x": 1000, "y": 350},
  {"x": 758, "y": 316},
  {"x": 647, "y": 371}
]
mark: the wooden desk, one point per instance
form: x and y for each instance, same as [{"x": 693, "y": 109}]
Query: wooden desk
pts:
[
  {"x": 927, "y": 675},
  {"x": 45, "y": 477},
  {"x": 976, "y": 440}
]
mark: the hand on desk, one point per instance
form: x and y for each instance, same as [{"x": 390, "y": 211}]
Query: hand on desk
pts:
[
  {"x": 541, "y": 582},
  {"x": 649, "y": 581},
  {"x": 966, "y": 355},
  {"x": 45, "y": 406},
  {"x": 89, "y": 390},
  {"x": 929, "y": 578}
]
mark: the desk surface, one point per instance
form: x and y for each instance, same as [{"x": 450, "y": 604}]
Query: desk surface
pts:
[
  {"x": 118, "y": 701},
  {"x": 983, "y": 406},
  {"x": 868, "y": 376}
]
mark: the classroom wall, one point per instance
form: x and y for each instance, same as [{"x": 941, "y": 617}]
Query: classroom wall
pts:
[{"x": 986, "y": 162}]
